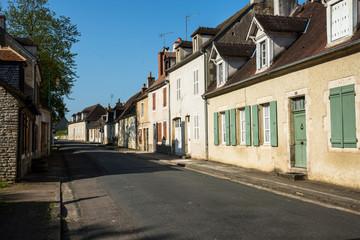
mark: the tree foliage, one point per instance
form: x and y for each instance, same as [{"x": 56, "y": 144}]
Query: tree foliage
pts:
[{"x": 55, "y": 36}]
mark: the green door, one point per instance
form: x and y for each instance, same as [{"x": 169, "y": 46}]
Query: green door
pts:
[{"x": 299, "y": 132}]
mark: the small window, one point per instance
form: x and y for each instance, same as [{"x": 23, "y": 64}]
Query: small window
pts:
[
  {"x": 164, "y": 97},
  {"x": 142, "y": 110},
  {"x": 242, "y": 127},
  {"x": 196, "y": 82},
  {"x": 263, "y": 54},
  {"x": 154, "y": 101},
  {"x": 196, "y": 128},
  {"x": 266, "y": 120},
  {"x": 178, "y": 96},
  {"x": 220, "y": 74},
  {"x": 195, "y": 44},
  {"x": 223, "y": 128}
]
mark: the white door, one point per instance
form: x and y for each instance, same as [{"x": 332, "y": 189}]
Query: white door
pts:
[
  {"x": 188, "y": 135},
  {"x": 178, "y": 145}
]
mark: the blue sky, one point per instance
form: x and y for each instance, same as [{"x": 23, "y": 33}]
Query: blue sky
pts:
[{"x": 120, "y": 41}]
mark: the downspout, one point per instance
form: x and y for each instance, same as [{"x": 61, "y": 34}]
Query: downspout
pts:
[
  {"x": 169, "y": 118},
  {"x": 205, "y": 108}
]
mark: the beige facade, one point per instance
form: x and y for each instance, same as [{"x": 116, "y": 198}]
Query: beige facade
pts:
[
  {"x": 143, "y": 124},
  {"x": 127, "y": 131},
  {"x": 77, "y": 131},
  {"x": 313, "y": 83}
]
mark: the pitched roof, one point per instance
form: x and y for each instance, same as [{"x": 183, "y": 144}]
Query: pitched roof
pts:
[
  {"x": 311, "y": 43},
  {"x": 205, "y": 31},
  {"x": 9, "y": 55},
  {"x": 170, "y": 54},
  {"x": 129, "y": 106},
  {"x": 96, "y": 112},
  {"x": 229, "y": 50},
  {"x": 271, "y": 23},
  {"x": 26, "y": 41},
  {"x": 184, "y": 44}
]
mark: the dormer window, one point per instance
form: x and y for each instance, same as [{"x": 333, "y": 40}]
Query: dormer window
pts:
[
  {"x": 263, "y": 54},
  {"x": 220, "y": 73},
  {"x": 196, "y": 43},
  {"x": 341, "y": 19}
]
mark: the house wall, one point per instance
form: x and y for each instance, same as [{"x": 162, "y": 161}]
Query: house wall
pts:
[
  {"x": 324, "y": 163},
  {"x": 77, "y": 131},
  {"x": 143, "y": 123},
  {"x": 43, "y": 142},
  {"x": 95, "y": 135},
  {"x": 189, "y": 105},
  {"x": 127, "y": 130},
  {"x": 159, "y": 115},
  {"x": 9, "y": 122}
]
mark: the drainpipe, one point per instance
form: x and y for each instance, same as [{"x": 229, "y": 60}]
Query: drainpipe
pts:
[
  {"x": 205, "y": 108},
  {"x": 169, "y": 118}
]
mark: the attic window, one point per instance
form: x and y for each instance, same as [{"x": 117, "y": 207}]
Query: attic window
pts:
[
  {"x": 195, "y": 43},
  {"x": 340, "y": 19},
  {"x": 220, "y": 73},
  {"x": 262, "y": 54}
]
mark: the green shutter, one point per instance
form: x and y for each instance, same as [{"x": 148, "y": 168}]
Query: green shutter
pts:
[
  {"x": 255, "y": 125},
  {"x": 349, "y": 119},
  {"x": 336, "y": 117},
  {"x": 273, "y": 124},
  {"x": 233, "y": 126},
  {"x": 227, "y": 127},
  {"x": 248, "y": 125},
  {"x": 216, "y": 129}
]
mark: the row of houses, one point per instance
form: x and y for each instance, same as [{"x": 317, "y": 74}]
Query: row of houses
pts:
[
  {"x": 275, "y": 87},
  {"x": 24, "y": 123}
]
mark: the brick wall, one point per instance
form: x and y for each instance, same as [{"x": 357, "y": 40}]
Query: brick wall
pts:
[{"x": 8, "y": 135}]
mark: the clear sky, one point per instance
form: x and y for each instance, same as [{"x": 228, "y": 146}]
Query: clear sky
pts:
[{"x": 120, "y": 41}]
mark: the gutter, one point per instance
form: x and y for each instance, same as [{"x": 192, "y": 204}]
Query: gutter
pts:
[
  {"x": 304, "y": 60},
  {"x": 205, "y": 108}
]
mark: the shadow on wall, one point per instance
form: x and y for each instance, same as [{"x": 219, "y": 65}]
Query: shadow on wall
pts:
[{"x": 163, "y": 148}]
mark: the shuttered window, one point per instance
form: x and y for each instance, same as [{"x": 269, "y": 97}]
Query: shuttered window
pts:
[
  {"x": 154, "y": 101},
  {"x": 159, "y": 132},
  {"x": 273, "y": 124},
  {"x": 164, "y": 97},
  {"x": 242, "y": 127},
  {"x": 196, "y": 82},
  {"x": 340, "y": 20},
  {"x": 178, "y": 96},
  {"x": 196, "y": 128},
  {"x": 248, "y": 125},
  {"x": 164, "y": 130},
  {"x": 343, "y": 120},
  {"x": 216, "y": 129}
]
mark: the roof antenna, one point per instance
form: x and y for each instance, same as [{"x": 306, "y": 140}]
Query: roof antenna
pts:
[
  {"x": 163, "y": 35},
  {"x": 186, "y": 20}
]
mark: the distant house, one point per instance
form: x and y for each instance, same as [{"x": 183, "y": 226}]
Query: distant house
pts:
[
  {"x": 142, "y": 117},
  {"x": 61, "y": 125},
  {"x": 110, "y": 133},
  {"x": 126, "y": 124},
  {"x": 79, "y": 125},
  {"x": 96, "y": 130},
  {"x": 25, "y": 123}
]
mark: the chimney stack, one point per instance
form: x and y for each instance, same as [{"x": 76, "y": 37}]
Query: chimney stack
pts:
[
  {"x": 143, "y": 89},
  {"x": 150, "y": 80},
  {"x": 284, "y": 7},
  {"x": 161, "y": 63}
]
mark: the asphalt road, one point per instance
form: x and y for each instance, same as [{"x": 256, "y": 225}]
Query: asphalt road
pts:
[{"x": 124, "y": 196}]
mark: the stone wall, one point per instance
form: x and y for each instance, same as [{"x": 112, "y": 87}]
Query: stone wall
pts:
[{"x": 8, "y": 136}]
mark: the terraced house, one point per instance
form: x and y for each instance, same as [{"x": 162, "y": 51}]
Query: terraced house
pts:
[{"x": 294, "y": 104}]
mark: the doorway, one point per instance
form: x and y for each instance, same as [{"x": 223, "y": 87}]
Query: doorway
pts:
[
  {"x": 178, "y": 143},
  {"x": 299, "y": 132}
]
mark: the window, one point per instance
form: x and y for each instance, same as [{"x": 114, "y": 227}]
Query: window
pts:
[
  {"x": 195, "y": 44},
  {"x": 159, "y": 137},
  {"x": 223, "y": 128},
  {"x": 242, "y": 127},
  {"x": 142, "y": 110},
  {"x": 340, "y": 20},
  {"x": 164, "y": 97},
  {"x": 196, "y": 128},
  {"x": 343, "y": 120},
  {"x": 178, "y": 89},
  {"x": 196, "y": 82},
  {"x": 269, "y": 124},
  {"x": 164, "y": 130},
  {"x": 266, "y": 120},
  {"x": 262, "y": 54},
  {"x": 220, "y": 74},
  {"x": 140, "y": 136},
  {"x": 154, "y": 101}
]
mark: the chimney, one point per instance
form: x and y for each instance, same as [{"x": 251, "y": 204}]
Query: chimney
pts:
[
  {"x": 143, "y": 89},
  {"x": 118, "y": 103},
  {"x": 284, "y": 7},
  {"x": 150, "y": 80},
  {"x": 176, "y": 43},
  {"x": 161, "y": 63},
  {"x": 3, "y": 26}
]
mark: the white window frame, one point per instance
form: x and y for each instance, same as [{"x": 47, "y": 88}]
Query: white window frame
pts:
[
  {"x": 351, "y": 15},
  {"x": 196, "y": 127},
  {"x": 178, "y": 88},
  {"x": 266, "y": 119},
  {"x": 223, "y": 128},
  {"x": 242, "y": 127},
  {"x": 196, "y": 81},
  {"x": 221, "y": 78}
]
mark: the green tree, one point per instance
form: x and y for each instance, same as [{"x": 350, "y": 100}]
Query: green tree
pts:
[{"x": 55, "y": 36}]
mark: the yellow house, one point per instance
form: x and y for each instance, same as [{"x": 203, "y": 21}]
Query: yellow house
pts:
[
  {"x": 294, "y": 106},
  {"x": 143, "y": 123}
]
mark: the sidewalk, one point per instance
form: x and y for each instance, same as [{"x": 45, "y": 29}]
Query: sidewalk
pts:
[
  {"x": 328, "y": 195},
  {"x": 31, "y": 209}
]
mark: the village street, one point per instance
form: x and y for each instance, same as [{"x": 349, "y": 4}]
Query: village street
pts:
[{"x": 114, "y": 195}]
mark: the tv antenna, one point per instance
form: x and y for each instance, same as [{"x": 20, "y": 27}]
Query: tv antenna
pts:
[
  {"x": 186, "y": 20},
  {"x": 163, "y": 35}
]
